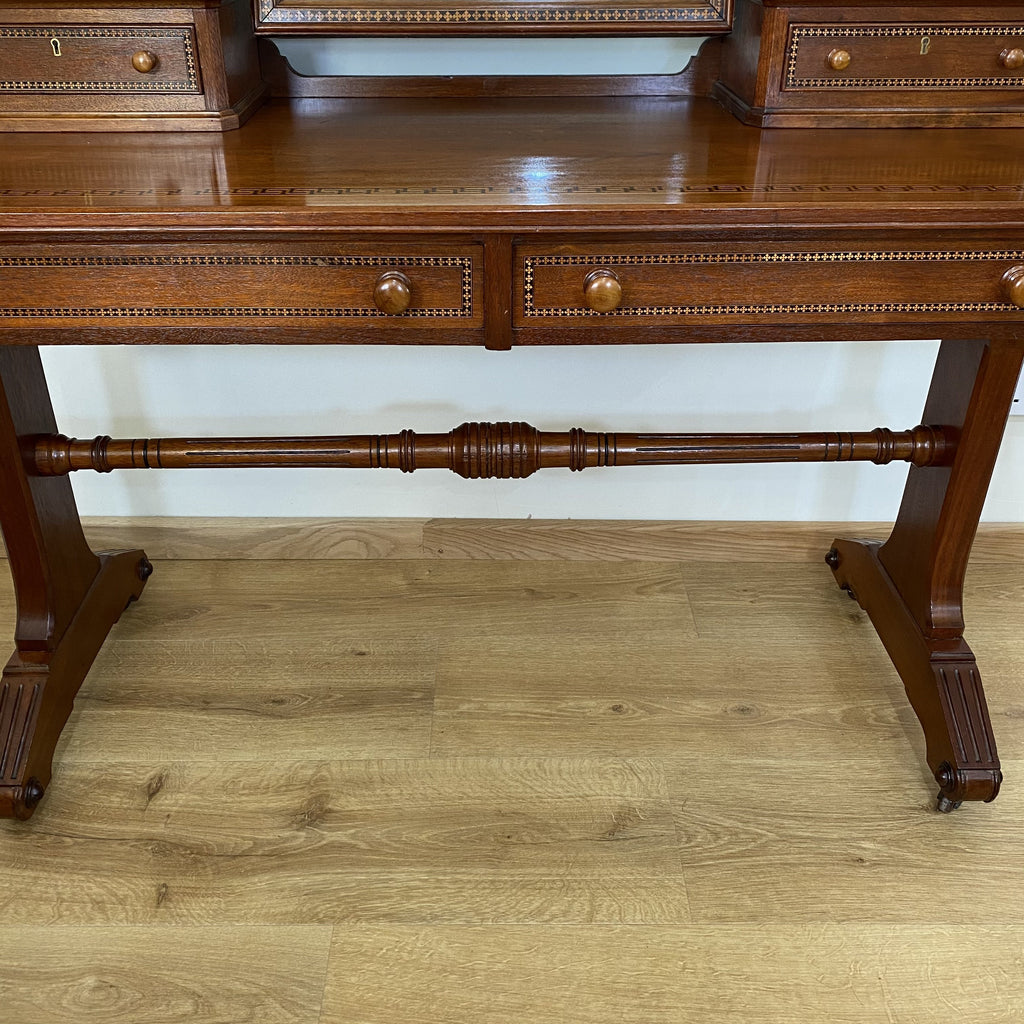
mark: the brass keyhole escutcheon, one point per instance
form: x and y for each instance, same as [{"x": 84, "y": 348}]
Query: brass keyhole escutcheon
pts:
[
  {"x": 602, "y": 290},
  {"x": 144, "y": 61},
  {"x": 839, "y": 60},
  {"x": 926, "y": 45},
  {"x": 392, "y": 293},
  {"x": 55, "y": 46}
]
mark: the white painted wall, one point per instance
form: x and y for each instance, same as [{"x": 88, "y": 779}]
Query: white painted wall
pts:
[{"x": 224, "y": 391}]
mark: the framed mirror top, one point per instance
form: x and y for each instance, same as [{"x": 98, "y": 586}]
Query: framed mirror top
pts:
[{"x": 492, "y": 17}]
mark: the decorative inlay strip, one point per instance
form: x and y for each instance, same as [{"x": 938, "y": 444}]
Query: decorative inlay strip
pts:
[
  {"x": 646, "y": 189},
  {"x": 463, "y": 263},
  {"x": 134, "y": 83},
  {"x": 841, "y": 32},
  {"x": 727, "y": 309},
  {"x": 270, "y": 13}
]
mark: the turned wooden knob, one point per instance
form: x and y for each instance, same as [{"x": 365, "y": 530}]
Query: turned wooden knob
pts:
[
  {"x": 144, "y": 61},
  {"x": 602, "y": 291},
  {"x": 838, "y": 60},
  {"x": 392, "y": 293},
  {"x": 1013, "y": 286},
  {"x": 1012, "y": 58}
]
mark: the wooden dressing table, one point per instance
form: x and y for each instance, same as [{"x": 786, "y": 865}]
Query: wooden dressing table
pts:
[{"x": 510, "y": 212}]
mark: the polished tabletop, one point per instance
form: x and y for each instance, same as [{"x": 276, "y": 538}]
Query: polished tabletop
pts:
[{"x": 401, "y": 163}]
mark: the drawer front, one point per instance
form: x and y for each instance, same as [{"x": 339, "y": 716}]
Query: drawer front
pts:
[
  {"x": 84, "y": 59},
  {"x": 441, "y": 286},
  {"x": 917, "y": 56},
  {"x": 669, "y": 288}
]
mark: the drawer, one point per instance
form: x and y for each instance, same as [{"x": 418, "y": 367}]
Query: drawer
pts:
[
  {"x": 906, "y": 56},
  {"x": 97, "y": 59},
  {"x": 802, "y": 64},
  {"x": 681, "y": 286},
  {"x": 420, "y": 285}
]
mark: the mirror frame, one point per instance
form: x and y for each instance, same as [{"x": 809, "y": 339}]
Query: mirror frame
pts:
[{"x": 491, "y": 17}]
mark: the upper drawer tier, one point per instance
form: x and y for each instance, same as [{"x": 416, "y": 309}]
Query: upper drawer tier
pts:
[
  {"x": 97, "y": 59},
  {"x": 915, "y": 56}
]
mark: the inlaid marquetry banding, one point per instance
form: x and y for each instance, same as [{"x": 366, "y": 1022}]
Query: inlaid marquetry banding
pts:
[
  {"x": 462, "y": 263},
  {"x": 800, "y": 33},
  {"x": 839, "y": 188},
  {"x": 270, "y": 12},
  {"x": 531, "y": 263},
  {"x": 130, "y": 83}
]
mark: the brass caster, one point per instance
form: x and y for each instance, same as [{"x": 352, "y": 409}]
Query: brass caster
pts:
[
  {"x": 33, "y": 793},
  {"x": 945, "y": 805}
]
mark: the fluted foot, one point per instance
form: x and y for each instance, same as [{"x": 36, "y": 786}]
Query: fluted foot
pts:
[{"x": 38, "y": 688}]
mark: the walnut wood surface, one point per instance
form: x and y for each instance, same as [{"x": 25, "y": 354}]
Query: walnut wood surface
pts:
[
  {"x": 556, "y": 162},
  {"x": 280, "y": 232}
]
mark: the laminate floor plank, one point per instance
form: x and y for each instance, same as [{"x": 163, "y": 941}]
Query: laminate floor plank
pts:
[
  {"x": 635, "y": 540},
  {"x": 623, "y": 698},
  {"x": 843, "y": 840},
  {"x": 353, "y": 600},
  {"x": 712, "y": 974},
  {"x": 259, "y": 700},
  {"x": 160, "y": 975},
  {"x": 258, "y": 843}
]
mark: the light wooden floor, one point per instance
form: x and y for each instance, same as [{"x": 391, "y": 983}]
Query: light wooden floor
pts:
[{"x": 486, "y": 790}]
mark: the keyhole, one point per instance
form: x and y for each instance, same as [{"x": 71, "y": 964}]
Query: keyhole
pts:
[
  {"x": 926, "y": 45},
  {"x": 55, "y": 43}
]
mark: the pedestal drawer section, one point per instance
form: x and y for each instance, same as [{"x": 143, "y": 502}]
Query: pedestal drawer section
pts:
[
  {"x": 421, "y": 285},
  {"x": 912, "y": 56},
  {"x": 678, "y": 286},
  {"x": 97, "y": 59}
]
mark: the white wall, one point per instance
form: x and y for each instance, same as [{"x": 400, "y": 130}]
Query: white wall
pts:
[{"x": 224, "y": 391}]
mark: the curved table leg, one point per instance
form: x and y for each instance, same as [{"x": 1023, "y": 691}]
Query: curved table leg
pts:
[
  {"x": 912, "y": 585},
  {"x": 67, "y": 596}
]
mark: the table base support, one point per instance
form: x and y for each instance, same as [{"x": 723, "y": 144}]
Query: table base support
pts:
[
  {"x": 940, "y": 675},
  {"x": 38, "y": 687}
]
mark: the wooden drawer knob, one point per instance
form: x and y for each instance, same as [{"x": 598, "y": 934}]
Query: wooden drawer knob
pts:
[
  {"x": 1012, "y": 58},
  {"x": 144, "y": 61},
  {"x": 1013, "y": 286},
  {"x": 602, "y": 291},
  {"x": 392, "y": 293},
  {"x": 838, "y": 60}
]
